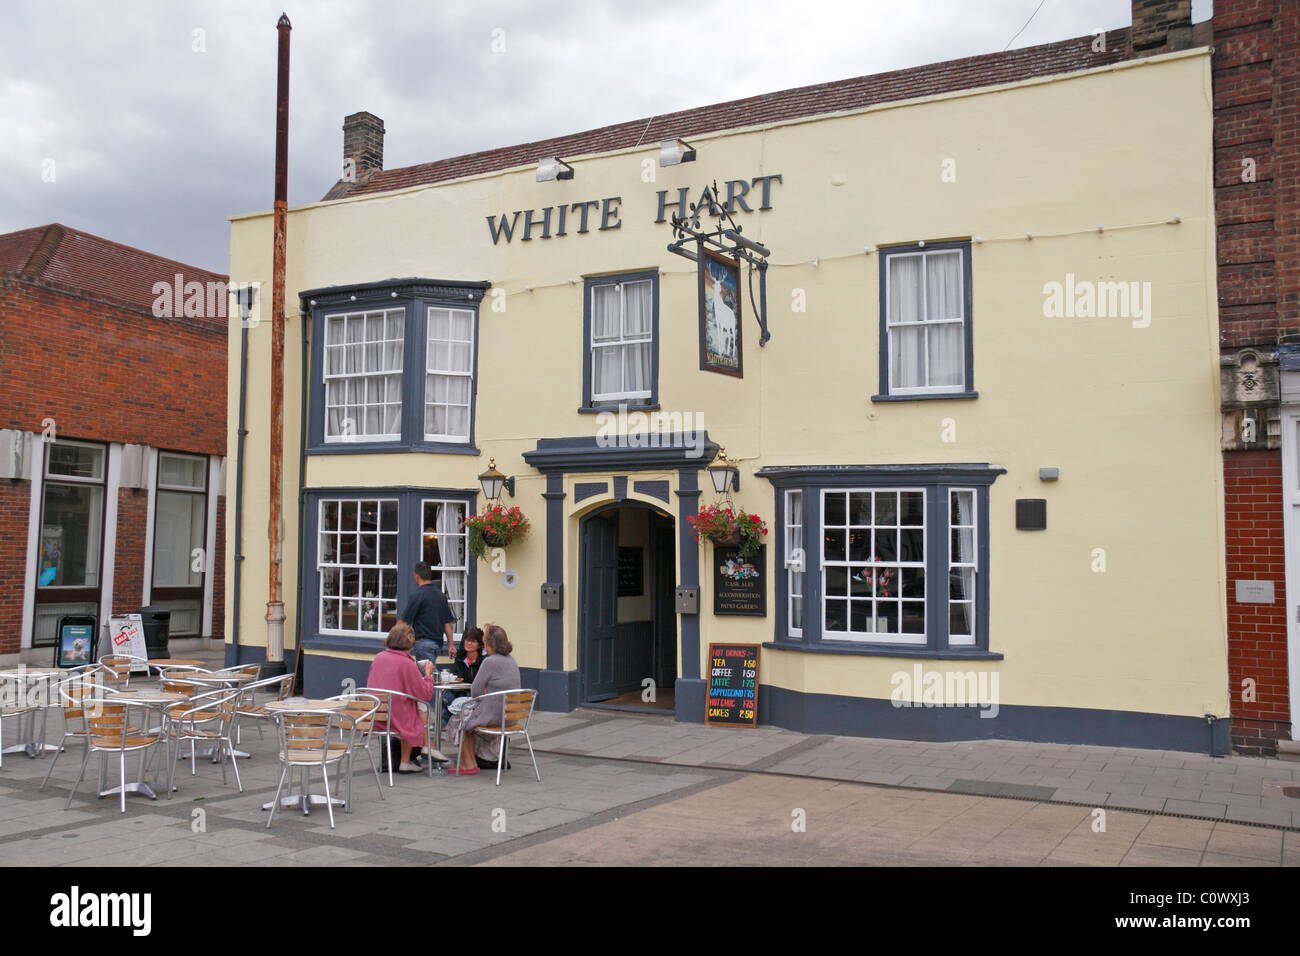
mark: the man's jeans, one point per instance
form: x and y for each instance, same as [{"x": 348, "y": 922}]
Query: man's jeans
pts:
[{"x": 427, "y": 650}]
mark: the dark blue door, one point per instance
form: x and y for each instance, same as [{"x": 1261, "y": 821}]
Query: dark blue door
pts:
[{"x": 598, "y": 622}]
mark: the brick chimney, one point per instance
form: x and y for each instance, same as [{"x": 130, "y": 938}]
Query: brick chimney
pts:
[
  {"x": 1161, "y": 26},
  {"x": 363, "y": 144}
]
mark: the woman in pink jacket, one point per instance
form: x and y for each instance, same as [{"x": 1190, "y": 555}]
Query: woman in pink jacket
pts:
[{"x": 395, "y": 669}]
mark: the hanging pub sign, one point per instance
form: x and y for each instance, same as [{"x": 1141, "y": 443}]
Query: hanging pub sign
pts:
[
  {"x": 738, "y": 585},
  {"x": 720, "y": 330},
  {"x": 732, "y": 698},
  {"x": 718, "y": 255}
]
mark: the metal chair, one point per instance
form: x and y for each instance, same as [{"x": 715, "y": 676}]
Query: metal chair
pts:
[
  {"x": 359, "y": 720},
  {"x": 12, "y": 707},
  {"x": 281, "y": 687},
  {"x": 73, "y": 692},
  {"x": 516, "y": 711},
  {"x": 384, "y": 729},
  {"x": 305, "y": 745},
  {"x": 208, "y": 718},
  {"x": 110, "y": 733}
]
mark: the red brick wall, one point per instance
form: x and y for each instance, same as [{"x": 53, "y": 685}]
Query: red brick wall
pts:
[
  {"x": 128, "y": 568},
  {"x": 15, "y": 497},
  {"x": 1256, "y": 632},
  {"x": 107, "y": 373},
  {"x": 1256, "y": 70}
]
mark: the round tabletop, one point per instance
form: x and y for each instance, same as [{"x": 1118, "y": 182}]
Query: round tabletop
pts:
[
  {"x": 453, "y": 685},
  {"x": 147, "y": 695},
  {"x": 168, "y": 661},
  {"x": 202, "y": 677},
  {"x": 298, "y": 705}
]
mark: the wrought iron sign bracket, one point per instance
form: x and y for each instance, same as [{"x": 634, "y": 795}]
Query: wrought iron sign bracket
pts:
[{"x": 724, "y": 238}]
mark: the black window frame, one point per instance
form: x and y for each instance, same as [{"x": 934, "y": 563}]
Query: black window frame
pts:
[
  {"x": 415, "y": 297},
  {"x": 937, "y": 481},
  {"x": 589, "y": 283},
  {"x": 967, "y": 391}
]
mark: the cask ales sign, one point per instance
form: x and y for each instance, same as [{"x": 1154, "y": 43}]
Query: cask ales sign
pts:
[{"x": 732, "y": 699}]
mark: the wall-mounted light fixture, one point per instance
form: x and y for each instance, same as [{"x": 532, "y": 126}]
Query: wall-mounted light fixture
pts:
[
  {"x": 552, "y": 167},
  {"x": 674, "y": 151},
  {"x": 724, "y": 473},
  {"x": 493, "y": 481}
]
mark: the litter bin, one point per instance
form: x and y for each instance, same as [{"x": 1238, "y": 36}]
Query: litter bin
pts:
[{"x": 157, "y": 623}]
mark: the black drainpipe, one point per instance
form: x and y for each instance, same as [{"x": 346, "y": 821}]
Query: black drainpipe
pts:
[
  {"x": 304, "y": 319},
  {"x": 232, "y": 651}
]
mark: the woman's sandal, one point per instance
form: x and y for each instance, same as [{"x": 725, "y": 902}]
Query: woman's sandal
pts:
[{"x": 462, "y": 771}]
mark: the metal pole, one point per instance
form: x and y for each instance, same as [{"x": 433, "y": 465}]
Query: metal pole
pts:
[{"x": 275, "y": 530}]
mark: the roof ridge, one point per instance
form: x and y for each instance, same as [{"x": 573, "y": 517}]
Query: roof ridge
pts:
[
  {"x": 44, "y": 251},
  {"x": 707, "y": 119}
]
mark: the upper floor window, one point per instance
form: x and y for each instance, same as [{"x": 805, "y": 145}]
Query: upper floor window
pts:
[
  {"x": 363, "y": 375},
  {"x": 621, "y": 329},
  {"x": 394, "y": 367},
  {"x": 925, "y": 321}
]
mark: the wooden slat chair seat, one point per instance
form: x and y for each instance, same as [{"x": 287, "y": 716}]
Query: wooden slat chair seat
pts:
[
  {"x": 516, "y": 711},
  {"x": 73, "y": 692},
  {"x": 280, "y": 687},
  {"x": 109, "y": 732},
  {"x": 359, "y": 719},
  {"x": 305, "y": 743},
  {"x": 208, "y": 718},
  {"x": 384, "y": 730}
]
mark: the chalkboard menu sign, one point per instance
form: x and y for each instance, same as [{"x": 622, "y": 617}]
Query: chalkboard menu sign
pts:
[
  {"x": 733, "y": 685},
  {"x": 630, "y": 575},
  {"x": 738, "y": 585}
]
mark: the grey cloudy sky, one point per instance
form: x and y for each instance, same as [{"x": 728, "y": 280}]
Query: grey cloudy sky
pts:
[{"x": 157, "y": 132}]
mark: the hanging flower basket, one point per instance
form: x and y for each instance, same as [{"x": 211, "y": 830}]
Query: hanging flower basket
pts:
[
  {"x": 728, "y": 529},
  {"x": 496, "y": 527}
]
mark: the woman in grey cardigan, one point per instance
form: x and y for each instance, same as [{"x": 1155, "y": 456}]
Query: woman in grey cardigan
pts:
[{"x": 497, "y": 672}]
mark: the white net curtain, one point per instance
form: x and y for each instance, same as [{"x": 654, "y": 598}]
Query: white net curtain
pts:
[{"x": 926, "y": 320}]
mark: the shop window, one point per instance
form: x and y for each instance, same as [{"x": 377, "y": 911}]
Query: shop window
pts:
[
  {"x": 925, "y": 322},
  {"x": 69, "y": 552},
  {"x": 621, "y": 332},
  {"x": 394, "y": 368},
  {"x": 179, "y": 540},
  {"x": 882, "y": 559}
]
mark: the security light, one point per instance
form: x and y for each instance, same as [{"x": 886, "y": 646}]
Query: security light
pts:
[
  {"x": 674, "y": 151},
  {"x": 552, "y": 167}
]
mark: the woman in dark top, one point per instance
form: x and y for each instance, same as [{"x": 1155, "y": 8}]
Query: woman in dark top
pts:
[{"x": 468, "y": 660}]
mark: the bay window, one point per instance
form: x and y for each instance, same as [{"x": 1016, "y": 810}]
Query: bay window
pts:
[
  {"x": 883, "y": 559},
  {"x": 393, "y": 367}
]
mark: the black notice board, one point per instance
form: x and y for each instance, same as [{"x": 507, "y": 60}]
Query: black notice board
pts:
[
  {"x": 630, "y": 574},
  {"x": 738, "y": 585},
  {"x": 732, "y": 699}
]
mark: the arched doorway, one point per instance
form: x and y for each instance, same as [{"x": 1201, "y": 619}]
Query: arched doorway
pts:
[{"x": 627, "y": 626}]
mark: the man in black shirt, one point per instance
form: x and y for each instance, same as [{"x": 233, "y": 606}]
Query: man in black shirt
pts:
[{"x": 428, "y": 612}]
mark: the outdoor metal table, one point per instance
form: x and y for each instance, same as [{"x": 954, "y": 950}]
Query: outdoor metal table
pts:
[
  {"x": 211, "y": 680},
  {"x": 22, "y": 676},
  {"x": 304, "y": 705},
  {"x": 148, "y": 698},
  {"x": 437, "y": 710},
  {"x": 178, "y": 661}
]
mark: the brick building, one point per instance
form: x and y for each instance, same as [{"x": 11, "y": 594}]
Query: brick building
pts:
[
  {"x": 1256, "y": 70},
  {"x": 112, "y": 437}
]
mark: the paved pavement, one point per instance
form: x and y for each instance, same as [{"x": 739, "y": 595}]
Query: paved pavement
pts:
[
  {"x": 1240, "y": 789},
  {"x": 628, "y": 789}
]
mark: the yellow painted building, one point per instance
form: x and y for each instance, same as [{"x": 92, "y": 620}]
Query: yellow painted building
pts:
[{"x": 983, "y": 434}]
